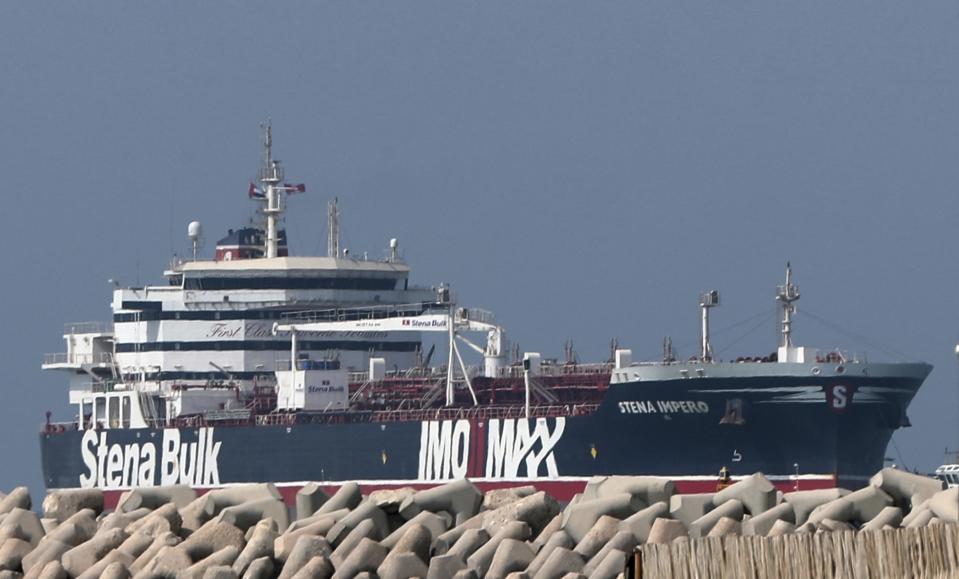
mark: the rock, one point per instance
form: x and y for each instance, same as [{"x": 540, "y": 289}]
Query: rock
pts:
[
  {"x": 688, "y": 508},
  {"x": 701, "y": 526},
  {"x": 61, "y": 505},
  {"x": 578, "y": 519},
  {"x": 755, "y": 492},
  {"x": 460, "y": 498},
  {"x": 666, "y": 531},
  {"x": 761, "y": 524}
]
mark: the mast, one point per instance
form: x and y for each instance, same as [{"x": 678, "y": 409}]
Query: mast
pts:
[
  {"x": 270, "y": 176},
  {"x": 786, "y": 294},
  {"x": 333, "y": 239},
  {"x": 707, "y": 300}
]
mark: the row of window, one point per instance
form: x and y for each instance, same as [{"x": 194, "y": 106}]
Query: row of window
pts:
[
  {"x": 267, "y": 345},
  {"x": 290, "y": 283}
]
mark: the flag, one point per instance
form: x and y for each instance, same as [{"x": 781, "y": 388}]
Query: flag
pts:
[
  {"x": 298, "y": 188},
  {"x": 255, "y": 192}
]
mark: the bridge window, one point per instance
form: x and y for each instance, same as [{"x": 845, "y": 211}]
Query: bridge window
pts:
[
  {"x": 125, "y": 411},
  {"x": 113, "y": 409},
  {"x": 99, "y": 411}
]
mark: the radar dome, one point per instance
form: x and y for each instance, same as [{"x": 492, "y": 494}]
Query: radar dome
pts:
[{"x": 194, "y": 230}]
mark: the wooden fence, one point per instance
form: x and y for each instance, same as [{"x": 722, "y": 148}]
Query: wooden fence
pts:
[{"x": 931, "y": 551}]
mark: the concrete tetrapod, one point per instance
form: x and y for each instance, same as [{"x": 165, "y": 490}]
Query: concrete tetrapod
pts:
[
  {"x": 560, "y": 562},
  {"x": 511, "y": 555},
  {"x": 907, "y": 489},
  {"x": 261, "y": 568},
  {"x": 18, "y": 498},
  {"x": 732, "y": 508},
  {"x": 83, "y": 556},
  {"x": 112, "y": 558},
  {"x": 347, "y": 496},
  {"x": 603, "y": 530},
  {"x": 641, "y": 523},
  {"x": 481, "y": 559},
  {"x": 805, "y": 502},
  {"x": 367, "y": 510},
  {"x": 468, "y": 543},
  {"x": 760, "y": 525},
  {"x": 688, "y": 508},
  {"x": 578, "y": 519},
  {"x": 891, "y": 516},
  {"x": 726, "y": 527},
  {"x": 259, "y": 545},
  {"x": 434, "y": 523},
  {"x": 837, "y": 510},
  {"x": 755, "y": 492},
  {"x": 364, "y": 530},
  {"x": 666, "y": 531},
  {"x": 559, "y": 538},
  {"x": 61, "y": 505},
  {"x": 305, "y": 550},
  {"x": 245, "y": 515},
  {"x": 225, "y": 556},
  {"x": 623, "y": 541},
  {"x": 610, "y": 567},
  {"x": 867, "y": 502},
  {"x": 536, "y": 510},
  {"x": 402, "y": 566},
  {"x": 945, "y": 505},
  {"x": 315, "y": 568},
  {"x": 366, "y": 557},
  {"x": 309, "y": 499},
  {"x": 649, "y": 489},
  {"x": 155, "y": 497},
  {"x": 444, "y": 566},
  {"x": 460, "y": 498}
]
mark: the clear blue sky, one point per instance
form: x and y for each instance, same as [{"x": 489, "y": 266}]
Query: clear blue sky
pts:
[{"x": 583, "y": 169}]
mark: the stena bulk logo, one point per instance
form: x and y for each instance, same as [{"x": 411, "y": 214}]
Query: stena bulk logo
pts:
[
  {"x": 508, "y": 449},
  {"x": 175, "y": 462}
]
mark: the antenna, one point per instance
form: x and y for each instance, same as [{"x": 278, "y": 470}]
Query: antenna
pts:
[
  {"x": 707, "y": 300},
  {"x": 333, "y": 239},
  {"x": 786, "y": 294}
]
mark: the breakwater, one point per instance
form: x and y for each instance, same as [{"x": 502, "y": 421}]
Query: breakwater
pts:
[{"x": 456, "y": 531}]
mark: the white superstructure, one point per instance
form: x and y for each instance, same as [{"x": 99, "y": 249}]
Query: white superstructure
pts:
[{"x": 191, "y": 344}]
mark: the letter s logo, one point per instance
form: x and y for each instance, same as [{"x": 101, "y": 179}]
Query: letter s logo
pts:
[{"x": 839, "y": 397}]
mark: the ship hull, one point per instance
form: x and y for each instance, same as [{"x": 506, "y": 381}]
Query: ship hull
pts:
[{"x": 801, "y": 431}]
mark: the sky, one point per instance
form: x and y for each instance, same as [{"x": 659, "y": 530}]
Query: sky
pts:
[{"x": 582, "y": 169}]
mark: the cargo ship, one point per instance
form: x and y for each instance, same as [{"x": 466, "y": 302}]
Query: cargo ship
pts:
[{"x": 262, "y": 366}]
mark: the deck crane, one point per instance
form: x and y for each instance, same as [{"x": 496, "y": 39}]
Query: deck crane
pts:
[{"x": 441, "y": 316}]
